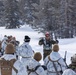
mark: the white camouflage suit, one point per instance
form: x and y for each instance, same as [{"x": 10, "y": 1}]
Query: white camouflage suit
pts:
[
  {"x": 69, "y": 72},
  {"x": 18, "y": 65},
  {"x": 60, "y": 65},
  {"x": 4, "y": 44},
  {"x": 32, "y": 65},
  {"x": 26, "y": 52}
]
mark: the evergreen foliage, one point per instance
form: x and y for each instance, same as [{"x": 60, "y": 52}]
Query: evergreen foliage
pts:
[{"x": 56, "y": 16}]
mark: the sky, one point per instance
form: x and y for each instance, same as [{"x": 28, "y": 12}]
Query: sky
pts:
[{"x": 68, "y": 45}]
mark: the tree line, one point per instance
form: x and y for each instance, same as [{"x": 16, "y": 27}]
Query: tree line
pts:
[{"x": 56, "y": 16}]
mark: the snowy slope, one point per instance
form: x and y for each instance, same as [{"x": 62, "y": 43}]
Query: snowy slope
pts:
[{"x": 65, "y": 44}]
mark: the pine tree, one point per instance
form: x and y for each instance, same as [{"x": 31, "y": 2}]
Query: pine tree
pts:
[
  {"x": 1, "y": 14},
  {"x": 12, "y": 14},
  {"x": 27, "y": 8}
]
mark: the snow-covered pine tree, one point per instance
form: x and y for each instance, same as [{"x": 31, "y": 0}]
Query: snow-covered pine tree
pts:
[
  {"x": 1, "y": 14},
  {"x": 12, "y": 14}
]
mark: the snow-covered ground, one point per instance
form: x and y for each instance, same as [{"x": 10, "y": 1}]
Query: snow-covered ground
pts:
[{"x": 68, "y": 45}]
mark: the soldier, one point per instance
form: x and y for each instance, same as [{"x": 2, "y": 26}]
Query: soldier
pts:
[
  {"x": 25, "y": 51},
  {"x": 34, "y": 67},
  {"x": 9, "y": 65},
  {"x": 72, "y": 67},
  {"x": 54, "y": 62},
  {"x": 16, "y": 45},
  {"x": 47, "y": 44}
]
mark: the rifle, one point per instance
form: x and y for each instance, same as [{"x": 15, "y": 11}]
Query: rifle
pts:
[{"x": 65, "y": 58}]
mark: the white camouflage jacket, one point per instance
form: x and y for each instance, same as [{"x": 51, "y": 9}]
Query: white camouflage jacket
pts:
[
  {"x": 32, "y": 65},
  {"x": 3, "y": 46},
  {"x": 69, "y": 72},
  {"x": 26, "y": 52},
  {"x": 58, "y": 61}
]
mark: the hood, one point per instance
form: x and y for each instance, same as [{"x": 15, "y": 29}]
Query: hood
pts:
[
  {"x": 8, "y": 56},
  {"x": 33, "y": 63},
  {"x": 54, "y": 56}
]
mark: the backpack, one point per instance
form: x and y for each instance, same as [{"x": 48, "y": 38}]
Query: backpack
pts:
[
  {"x": 33, "y": 70},
  {"x": 6, "y": 66}
]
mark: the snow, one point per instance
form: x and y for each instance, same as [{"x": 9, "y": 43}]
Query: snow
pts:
[{"x": 64, "y": 44}]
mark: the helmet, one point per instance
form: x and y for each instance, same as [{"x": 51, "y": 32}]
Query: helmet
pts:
[
  {"x": 9, "y": 49},
  {"x": 37, "y": 56},
  {"x": 47, "y": 34},
  {"x": 73, "y": 59}
]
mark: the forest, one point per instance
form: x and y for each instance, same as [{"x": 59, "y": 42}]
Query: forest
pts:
[{"x": 56, "y": 16}]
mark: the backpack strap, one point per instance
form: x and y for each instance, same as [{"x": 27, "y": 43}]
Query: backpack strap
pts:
[
  {"x": 60, "y": 67},
  {"x": 37, "y": 67},
  {"x": 48, "y": 60},
  {"x": 12, "y": 62},
  {"x": 15, "y": 69},
  {"x": 33, "y": 70},
  {"x": 55, "y": 68},
  {"x": 44, "y": 67}
]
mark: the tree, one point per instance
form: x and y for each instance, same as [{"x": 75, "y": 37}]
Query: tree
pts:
[
  {"x": 1, "y": 14},
  {"x": 12, "y": 14},
  {"x": 27, "y": 8}
]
